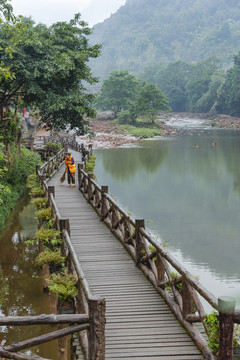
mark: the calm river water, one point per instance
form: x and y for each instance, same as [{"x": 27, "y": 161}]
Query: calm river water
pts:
[
  {"x": 21, "y": 287},
  {"x": 188, "y": 195}
]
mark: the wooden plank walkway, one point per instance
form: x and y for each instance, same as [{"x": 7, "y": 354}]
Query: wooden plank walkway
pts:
[{"x": 139, "y": 324}]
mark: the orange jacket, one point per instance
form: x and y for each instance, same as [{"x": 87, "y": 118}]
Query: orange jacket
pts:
[{"x": 71, "y": 166}]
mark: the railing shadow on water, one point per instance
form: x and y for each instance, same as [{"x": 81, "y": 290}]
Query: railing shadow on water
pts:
[{"x": 182, "y": 292}]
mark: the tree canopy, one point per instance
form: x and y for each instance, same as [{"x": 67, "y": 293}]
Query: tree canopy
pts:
[
  {"x": 124, "y": 91},
  {"x": 229, "y": 92},
  {"x": 49, "y": 69}
]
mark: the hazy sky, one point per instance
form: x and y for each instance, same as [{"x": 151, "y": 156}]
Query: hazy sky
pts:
[{"x": 50, "y": 11}]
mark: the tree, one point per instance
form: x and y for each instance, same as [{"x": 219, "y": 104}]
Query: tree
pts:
[
  {"x": 151, "y": 100},
  {"x": 172, "y": 80},
  {"x": 118, "y": 92},
  {"x": 229, "y": 92},
  {"x": 49, "y": 67}
]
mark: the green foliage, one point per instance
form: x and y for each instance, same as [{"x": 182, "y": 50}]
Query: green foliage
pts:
[
  {"x": 90, "y": 164},
  {"x": 40, "y": 202},
  {"x": 49, "y": 237},
  {"x": 50, "y": 68},
  {"x": 64, "y": 286},
  {"x": 118, "y": 92},
  {"x": 124, "y": 117},
  {"x": 129, "y": 97},
  {"x": 229, "y": 92},
  {"x": 143, "y": 132},
  {"x": 150, "y": 100},
  {"x": 44, "y": 214},
  {"x": 53, "y": 147},
  {"x": 49, "y": 257},
  {"x": 212, "y": 324},
  {"x": 142, "y": 33},
  {"x": 32, "y": 181},
  {"x": 37, "y": 191},
  {"x": 189, "y": 87},
  {"x": 13, "y": 180}
]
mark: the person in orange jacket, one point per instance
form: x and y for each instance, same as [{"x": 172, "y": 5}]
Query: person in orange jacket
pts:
[{"x": 70, "y": 169}]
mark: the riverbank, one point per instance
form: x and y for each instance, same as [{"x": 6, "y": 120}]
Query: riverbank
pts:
[{"x": 106, "y": 134}]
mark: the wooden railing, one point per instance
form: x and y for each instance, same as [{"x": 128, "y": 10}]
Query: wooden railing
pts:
[
  {"x": 89, "y": 320},
  {"x": 182, "y": 292}
]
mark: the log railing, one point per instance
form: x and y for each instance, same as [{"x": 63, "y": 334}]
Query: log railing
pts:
[
  {"x": 173, "y": 282},
  {"x": 89, "y": 320}
]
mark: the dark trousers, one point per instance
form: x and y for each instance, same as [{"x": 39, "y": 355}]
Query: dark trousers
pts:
[{"x": 71, "y": 177}]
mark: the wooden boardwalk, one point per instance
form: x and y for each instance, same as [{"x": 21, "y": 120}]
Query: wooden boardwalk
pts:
[{"x": 139, "y": 325}]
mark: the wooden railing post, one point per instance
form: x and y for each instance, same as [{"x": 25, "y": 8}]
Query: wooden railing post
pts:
[
  {"x": 90, "y": 149},
  {"x": 226, "y": 307},
  {"x": 104, "y": 190},
  {"x": 38, "y": 166},
  {"x": 51, "y": 190},
  {"x": 64, "y": 224},
  {"x": 89, "y": 189},
  {"x": 186, "y": 299},
  {"x": 97, "y": 311},
  {"x": 80, "y": 167},
  {"x": 138, "y": 224}
]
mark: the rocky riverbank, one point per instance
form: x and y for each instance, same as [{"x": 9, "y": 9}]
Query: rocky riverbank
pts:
[{"x": 105, "y": 134}]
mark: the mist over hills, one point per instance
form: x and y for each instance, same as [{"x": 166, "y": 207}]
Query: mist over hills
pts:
[{"x": 146, "y": 32}]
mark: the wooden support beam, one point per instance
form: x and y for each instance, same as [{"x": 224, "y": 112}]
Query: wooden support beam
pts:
[
  {"x": 46, "y": 338},
  {"x": 19, "y": 356},
  {"x": 50, "y": 319}
]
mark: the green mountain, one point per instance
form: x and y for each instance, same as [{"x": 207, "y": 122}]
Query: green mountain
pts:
[{"x": 146, "y": 32}]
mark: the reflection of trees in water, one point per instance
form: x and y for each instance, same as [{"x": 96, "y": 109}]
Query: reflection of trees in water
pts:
[
  {"x": 122, "y": 164},
  {"x": 195, "y": 207}
]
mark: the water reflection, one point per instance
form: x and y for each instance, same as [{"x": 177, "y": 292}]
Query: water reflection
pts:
[
  {"x": 21, "y": 288},
  {"x": 192, "y": 195}
]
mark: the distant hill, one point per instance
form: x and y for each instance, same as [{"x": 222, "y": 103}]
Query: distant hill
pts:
[{"x": 144, "y": 32}]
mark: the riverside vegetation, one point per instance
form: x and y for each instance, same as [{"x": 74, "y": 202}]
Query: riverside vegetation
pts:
[{"x": 62, "y": 284}]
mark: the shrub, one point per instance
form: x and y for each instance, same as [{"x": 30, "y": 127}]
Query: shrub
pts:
[
  {"x": 64, "y": 286},
  {"x": 49, "y": 237},
  {"x": 40, "y": 202},
  {"x": 37, "y": 191},
  {"x": 32, "y": 181},
  {"x": 44, "y": 214},
  {"x": 124, "y": 117},
  {"x": 90, "y": 164},
  {"x": 54, "y": 147},
  {"x": 49, "y": 257}
]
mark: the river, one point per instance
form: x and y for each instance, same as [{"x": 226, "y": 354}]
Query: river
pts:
[
  {"x": 187, "y": 188},
  {"x": 21, "y": 290}
]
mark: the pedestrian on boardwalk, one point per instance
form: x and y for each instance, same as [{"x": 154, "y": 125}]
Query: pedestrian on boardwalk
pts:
[{"x": 70, "y": 169}]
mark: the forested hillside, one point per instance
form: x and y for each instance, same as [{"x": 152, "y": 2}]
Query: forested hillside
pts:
[{"x": 144, "y": 32}]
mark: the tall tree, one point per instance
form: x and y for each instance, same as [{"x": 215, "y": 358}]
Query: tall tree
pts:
[
  {"x": 49, "y": 67},
  {"x": 229, "y": 92},
  {"x": 151, "y": 100},
  {"x": 118, "y": 91}
]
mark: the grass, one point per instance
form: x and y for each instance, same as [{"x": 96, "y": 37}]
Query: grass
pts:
[{"x": 142, "y": 128}]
